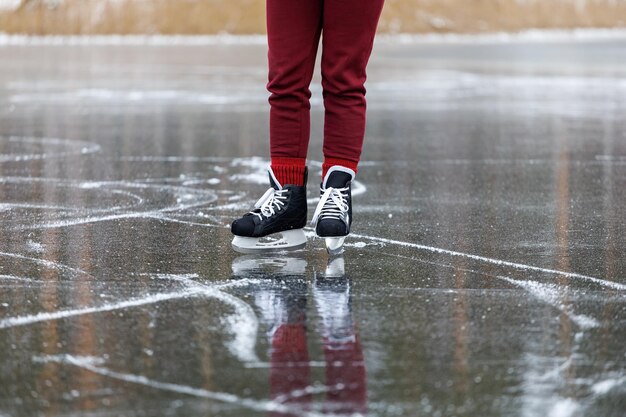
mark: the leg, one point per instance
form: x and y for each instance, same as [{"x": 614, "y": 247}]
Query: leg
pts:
[
  {"x": 293, "y": 32},
  {"x": 293, "y": 28},
  {"x": 349, "y": 28}
]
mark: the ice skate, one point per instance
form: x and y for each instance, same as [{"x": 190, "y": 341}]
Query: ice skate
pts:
[
  {"x": 333, "y": 215},
  {"x": 276, "y": 222}
]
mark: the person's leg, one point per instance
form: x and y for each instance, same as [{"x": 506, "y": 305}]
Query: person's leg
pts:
[
  {"x": 349, "y": 27},
  {"x": 293, "y": 32},
  {"x": 293, "y": 28}
]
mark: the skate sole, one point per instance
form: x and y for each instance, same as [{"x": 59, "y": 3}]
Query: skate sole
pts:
[{"x": 290, "y": 240}]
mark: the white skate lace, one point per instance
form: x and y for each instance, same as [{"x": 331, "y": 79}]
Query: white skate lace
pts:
[
  {"x": 333, "y": 204},
  {"x": 271, "y": 202}
]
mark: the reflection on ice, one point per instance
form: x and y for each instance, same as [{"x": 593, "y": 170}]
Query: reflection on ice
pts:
[
  {"x": 484, "y": 277},
  {"x": 282, "y": 298}
]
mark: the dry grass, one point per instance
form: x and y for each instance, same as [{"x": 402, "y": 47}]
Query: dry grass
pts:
[
  {"x": 136, "y": 17},
  {"x": 494, "y": 15},
  {"x": 247, "y": 16}
]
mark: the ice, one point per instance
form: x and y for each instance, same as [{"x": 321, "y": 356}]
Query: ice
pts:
[
  {"x": 524, "y": 36},
  {"x": 485, "y": 275},
  {"x": 499, "y": 262},
  {"x": 564, "y": 408},
  {"x": 554, "y": 296},
  {"x": 10, "y": 322},
  {"x": 603, "y": 387}
]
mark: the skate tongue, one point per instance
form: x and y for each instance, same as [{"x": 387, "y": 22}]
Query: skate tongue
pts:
[
  {"x": 277, "y": 185},
  {"x": 273, "y": 181},
  {"x": 338, "y": 177}
]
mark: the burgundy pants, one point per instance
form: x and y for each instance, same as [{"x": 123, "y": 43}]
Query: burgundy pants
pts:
[{"x": 294, "y": 28}]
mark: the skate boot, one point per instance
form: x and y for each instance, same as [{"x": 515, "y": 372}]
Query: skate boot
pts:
[
  {"x": 276, "y": 222},
  {"x": 333, "y": 215}
]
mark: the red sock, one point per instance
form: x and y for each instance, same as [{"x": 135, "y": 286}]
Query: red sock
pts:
[
  {"x": 289, "y": 170},
  {"x": 330, "y": 162}
]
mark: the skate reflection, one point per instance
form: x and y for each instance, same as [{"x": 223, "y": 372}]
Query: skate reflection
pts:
[
  {"x": 343, "y": 354},
  {"x": 282, "y": 301}
]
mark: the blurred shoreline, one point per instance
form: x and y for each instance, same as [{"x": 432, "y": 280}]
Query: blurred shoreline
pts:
[
  {"x": 525, "y": 36},
  {"x": 247, "y": 17}
]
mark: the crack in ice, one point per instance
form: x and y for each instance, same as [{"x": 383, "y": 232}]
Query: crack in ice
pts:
[
  {"x": 242, "y": 323},
  {"x": 493, "y": 261},
  {"x": 61, "y": 314},
  {"x": 548, "y": 294},
  {"x": 94, "y": 365},
  {"x": 44, "y": 262}
]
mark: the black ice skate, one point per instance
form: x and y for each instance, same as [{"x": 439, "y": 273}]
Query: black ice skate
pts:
[
  {"x": 333, "y": 215},
  {"x": 281, "y": 211}
]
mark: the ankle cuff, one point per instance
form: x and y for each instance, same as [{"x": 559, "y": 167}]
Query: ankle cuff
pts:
[
  {"x": 331, "y": 162},
  {"x": 289, "y": 170}
]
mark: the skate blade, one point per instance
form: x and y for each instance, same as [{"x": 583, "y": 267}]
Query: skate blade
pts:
[
  {"x": 334, "y": 245},
  {"x": 290, "y": 240}
]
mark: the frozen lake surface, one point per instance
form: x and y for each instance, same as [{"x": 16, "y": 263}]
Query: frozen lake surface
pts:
[{"x": 486, "y": 275}]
